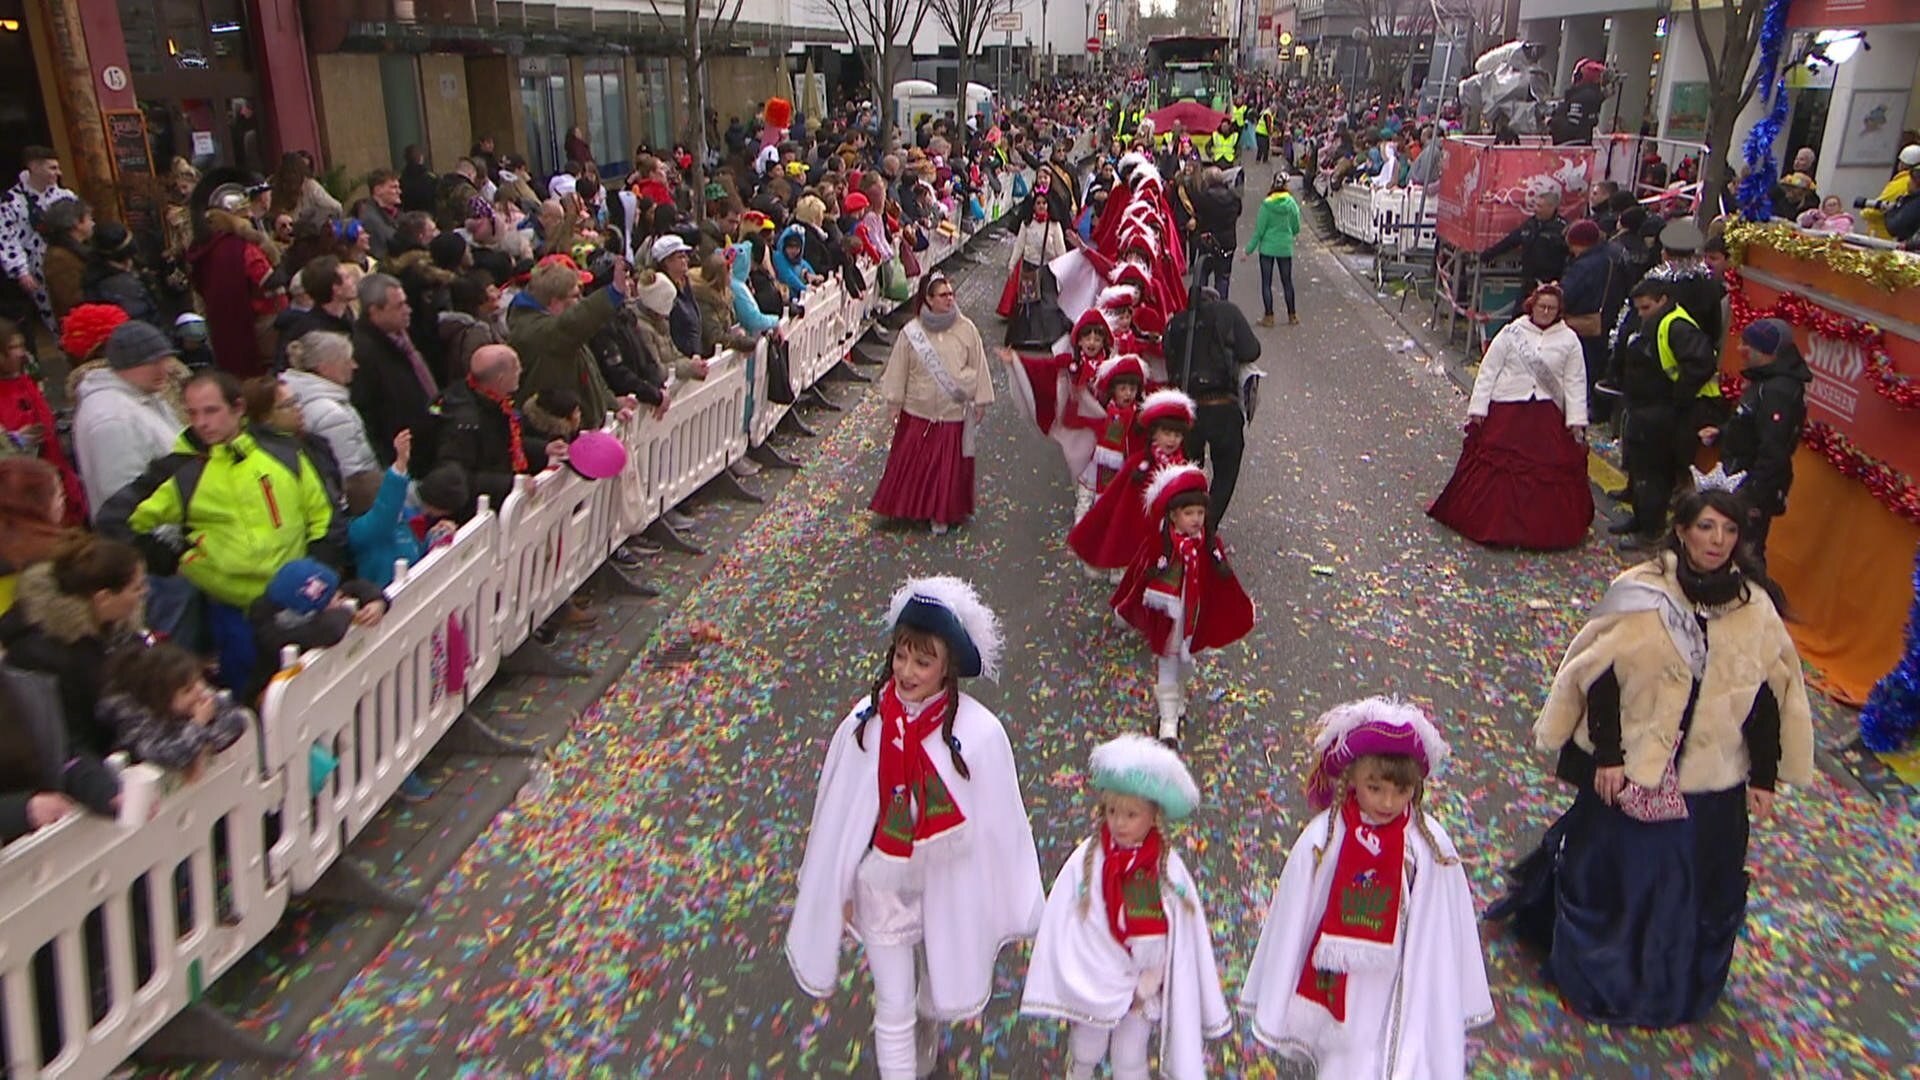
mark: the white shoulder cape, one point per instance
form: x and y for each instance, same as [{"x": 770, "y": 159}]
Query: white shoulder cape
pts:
[
  {"x": 1441, "y": 982},
  {"x": 985, "y": 895},
  {"x": 1080, "y": 974}
]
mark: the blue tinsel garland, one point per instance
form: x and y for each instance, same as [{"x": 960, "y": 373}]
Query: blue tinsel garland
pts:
[
  {"x": 1755, "y": 196},
  {"x": 1892, "y": 713}
]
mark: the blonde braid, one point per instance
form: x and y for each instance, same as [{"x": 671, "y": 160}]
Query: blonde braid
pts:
[
  {"x": 1086, "y": 864},
  {"x": 1420, "y": 822}
]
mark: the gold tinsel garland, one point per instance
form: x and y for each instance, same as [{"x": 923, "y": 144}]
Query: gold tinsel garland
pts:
[{"x": 1890, "y": 270}]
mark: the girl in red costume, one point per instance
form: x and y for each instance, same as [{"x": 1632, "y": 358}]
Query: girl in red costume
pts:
[
  {"x": 1119, "y": 385},
  {"x": 1119, "y": 522},
  {"x": 1180, "y": 592},
  {"x": 1049, "y": 389}
]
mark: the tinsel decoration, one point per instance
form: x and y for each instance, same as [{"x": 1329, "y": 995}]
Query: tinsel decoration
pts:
[
  {"x": 1901, "y": 390},
  {"x": 1892, "y": 712},
  {"x": 1756, "y": 191},
  {"x": 1892, "y": 488},
  {"x": 1889, "y": 270}
]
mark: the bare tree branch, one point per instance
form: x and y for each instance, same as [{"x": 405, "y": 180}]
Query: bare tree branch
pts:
[{"x": 1706, "y": 53}]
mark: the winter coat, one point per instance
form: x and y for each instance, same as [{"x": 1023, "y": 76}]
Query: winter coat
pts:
[
  {"x": 328, "y": 410},
  {"x": 663, "y": 352},
  {"x": 294, "y": 325},
  {"x": 461, "y": 335},
  {"x": 1507, "y": 371},
  {"x": 172, "y": 742},
  {"x": 1643, "y": 381},
  {"x": 418, "y": 186},
  {"x": 688, "y": 323},
  {"x": 229, "y": 271},
  {"x": 63, "y": 271},
  {"x": 125, "y": 290},
  {"x": 1216, "y": 209},
  {"x": 1596, "y": 283},
  {"x": 259, "y": 503},
  {"x": 456, "y": 192},
  {"x": 1748, "y": 651},
  {"x": 384, "y": 534},
  {"x": 554, "y": 350},
  {"x": 23, "y": 406},
  {"x": 746, "y": 310},
  {"x": 275, "y": 628},
  {"x": 789, "y": 273},
  {"x": 477, "y": 436},
  {"x": 908, "y": 387},
  {"x": 625, "y": 360},
  {"x": 22, "y": 244},
  {"x": 379, "y": 225},
  {"x": 385, "y": 389},
  {"x": 38, "y": 758},
  {"x": 1276, "y": 226},
  {"x": 49, "y": 631},
  {"x": 1542, "y": 246},
  {"x": 117, "y": 432},
  {"x": 1760, "y": 437}
]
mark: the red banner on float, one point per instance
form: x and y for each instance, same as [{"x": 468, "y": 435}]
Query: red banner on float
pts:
[{"x": 1486, "y": 191}]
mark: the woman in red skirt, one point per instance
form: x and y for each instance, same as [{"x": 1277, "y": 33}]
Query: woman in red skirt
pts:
[
  {"x": 1522, "y": 476},
  {"x": 938, "y": 387}
]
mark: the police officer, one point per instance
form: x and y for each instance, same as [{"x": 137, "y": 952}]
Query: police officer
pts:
[
  {"x": 1669, "y": 376},
  {"x": 1207, "y": 346}
]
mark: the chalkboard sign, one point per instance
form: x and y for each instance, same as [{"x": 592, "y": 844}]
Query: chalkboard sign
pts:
[
  {"x": 133, "y": 166},
  {"x": 127, "y": 140}
]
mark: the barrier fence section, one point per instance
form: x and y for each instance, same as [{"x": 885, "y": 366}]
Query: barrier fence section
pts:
[{"x": 108, "y": 931}]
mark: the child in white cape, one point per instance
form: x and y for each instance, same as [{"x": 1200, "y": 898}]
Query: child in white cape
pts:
[
  {"x": 1123, "y": 945},
  {"x": 1370, "y": 966},
  {"x": 919, "y": 844}
]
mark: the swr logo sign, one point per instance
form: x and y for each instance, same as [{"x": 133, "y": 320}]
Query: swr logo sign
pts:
[{"x": 1837, "y": 367}]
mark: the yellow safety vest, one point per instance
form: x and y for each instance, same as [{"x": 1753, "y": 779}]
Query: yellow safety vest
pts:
[
  {"x": 1225, "y": 148},
  {"x": 1669, "y": 363},
  {"x": 1239, "y": 115},
  {"x": 1261, "y": 128}
]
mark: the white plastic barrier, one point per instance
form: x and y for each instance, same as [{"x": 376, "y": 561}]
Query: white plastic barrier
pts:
[
  {"x": 107, "y": 899},
  {"x": 379, "y": 701}
]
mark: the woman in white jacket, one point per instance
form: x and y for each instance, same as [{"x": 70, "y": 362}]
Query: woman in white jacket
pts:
[
  {"x": 1521, "y": 480},
  {"x": 321, "y": 367}
]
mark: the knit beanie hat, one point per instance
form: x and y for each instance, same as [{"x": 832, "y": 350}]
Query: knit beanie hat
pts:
[
  {"x": 444, "y": 488},
  {"x": 137, "y": 344},
  {"x": 1767, "y": 335},
  {"x": 303, "y": 586},
  {"x": 1583, "y": 232},
  {"x": 447, "y": 250}
]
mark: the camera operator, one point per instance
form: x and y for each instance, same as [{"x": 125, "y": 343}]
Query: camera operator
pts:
[
  {"x": 1876, "y": 212},
  {"x": 1207, "y": 346},
  {"x": 1216, "y": 212}
]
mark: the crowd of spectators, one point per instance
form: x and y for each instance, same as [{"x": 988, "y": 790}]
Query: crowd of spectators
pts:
[{"x": 285, "y": 391}]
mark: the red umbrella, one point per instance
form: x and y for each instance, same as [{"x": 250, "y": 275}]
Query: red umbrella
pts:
[{"x": 1196, "y": 117}]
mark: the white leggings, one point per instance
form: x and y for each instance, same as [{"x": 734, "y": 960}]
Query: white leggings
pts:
[
  {"x": 1172, "y": 671},
  {"x": 1127, "y": 1039},
  {"x": 899, "y": 980}
]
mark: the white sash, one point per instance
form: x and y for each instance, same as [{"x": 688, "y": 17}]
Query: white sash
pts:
[{"x": 930, "y": 361}]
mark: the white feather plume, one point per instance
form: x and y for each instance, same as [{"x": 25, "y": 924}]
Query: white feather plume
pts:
[
  {"x": 1167, "y": 398},
  {"x": 1118, "y": 294},
  {"x": 1167, "y": 476},
  {"x": 979, "y": 621},
  {"x": 1110, "y": 366},
  {"x": 1342, "y": 720}
]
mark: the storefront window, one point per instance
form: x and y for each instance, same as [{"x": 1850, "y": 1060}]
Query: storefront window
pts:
[
  {"x": 607, "y": 114},
  {"x": 656, "y": 124},
  {"x": 165, "y": 36}
]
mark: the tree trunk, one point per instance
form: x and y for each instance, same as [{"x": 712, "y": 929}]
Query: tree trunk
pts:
[
  {"x": 883, "y": 94},
  {"x": 966, "y": 77},
  {"x": 1721, "y": 117}
]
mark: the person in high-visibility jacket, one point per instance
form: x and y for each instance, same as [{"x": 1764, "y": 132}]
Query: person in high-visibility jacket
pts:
[
  {"x": 1669, "y": 375},
  {"x": 1263, "y": 135},
  {"x": 1225, "y": 146},
  {"x": 1896, "y": 189}
]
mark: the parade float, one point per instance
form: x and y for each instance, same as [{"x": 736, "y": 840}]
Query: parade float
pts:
[{"x": 1844, "y": 551}]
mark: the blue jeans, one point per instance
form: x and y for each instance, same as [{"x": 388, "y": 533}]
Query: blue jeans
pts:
[
  {"x": 1219, "y": 270},
  {"x": 1267, "y": 264}
]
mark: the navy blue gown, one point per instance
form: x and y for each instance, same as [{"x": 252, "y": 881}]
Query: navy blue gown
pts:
[{"x": 1638, "y": 920}]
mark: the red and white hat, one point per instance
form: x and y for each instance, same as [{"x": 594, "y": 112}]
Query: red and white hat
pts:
[
  {"x": 1169, "y": 482},
  {"x": 1125, "y": 365},
  {"x": 1131, "y": 274},
  {"x": 1092, "y": 318},
  {"x": 1117, "y": 296},
  {"x": 1165, "y": 405}
]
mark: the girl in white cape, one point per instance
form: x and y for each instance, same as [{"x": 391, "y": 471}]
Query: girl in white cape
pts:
[
  {"x": 1123, "y": 945},
  {"x": 1370, "y": 967},
  {"x": 919, "y": 844}
]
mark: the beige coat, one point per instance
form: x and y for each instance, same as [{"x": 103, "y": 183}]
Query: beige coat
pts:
[
  {"x": 907, "y": 385},
  {"x": 1745, "y": 647}
]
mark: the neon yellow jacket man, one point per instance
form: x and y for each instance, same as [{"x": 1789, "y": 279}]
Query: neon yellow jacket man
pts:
[{"x": 248, "y": 507}]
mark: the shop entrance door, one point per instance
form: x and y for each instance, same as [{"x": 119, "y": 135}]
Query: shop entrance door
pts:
[{"x": 549, "y": 108}]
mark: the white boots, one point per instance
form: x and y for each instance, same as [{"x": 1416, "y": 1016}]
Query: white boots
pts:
[
  {"x": 1172, "y": 700},
  {"x": 926, "y": 1046},
  {"x": 1082, "y": 501}
]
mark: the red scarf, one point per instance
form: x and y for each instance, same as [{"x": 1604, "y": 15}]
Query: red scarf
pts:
[
  {"x": 514, "y": 445},
  {"x": 1363, "y": 906},
  {"x": 915, "y": 806},
  {"x": 1130, "y": 885}
]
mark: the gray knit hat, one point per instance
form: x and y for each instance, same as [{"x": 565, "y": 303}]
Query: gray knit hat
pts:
[{"x": 137, "y": 344}]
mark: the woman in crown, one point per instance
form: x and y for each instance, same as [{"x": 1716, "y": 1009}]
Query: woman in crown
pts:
[
  {"x": 1677, "y": 713},
  {"x": 919, "y": 846}
]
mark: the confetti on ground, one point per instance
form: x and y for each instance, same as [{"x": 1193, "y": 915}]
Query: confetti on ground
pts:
[{"x": 629, "y": 921}]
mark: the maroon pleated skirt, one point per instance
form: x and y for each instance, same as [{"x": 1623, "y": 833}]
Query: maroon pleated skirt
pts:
[
  {"x": 928, "y": 477},
  {"x": 1521, "y": 481}
]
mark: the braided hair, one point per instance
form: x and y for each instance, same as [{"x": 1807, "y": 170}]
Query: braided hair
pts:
[
  {"x": 1416, "y": 811},
  {"x": 920, "y": 641},
  {"x": 1086, "y": 864}
]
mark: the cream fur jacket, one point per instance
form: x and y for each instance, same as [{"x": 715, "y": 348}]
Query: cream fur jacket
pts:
[{"x": 1746, "y": 646}]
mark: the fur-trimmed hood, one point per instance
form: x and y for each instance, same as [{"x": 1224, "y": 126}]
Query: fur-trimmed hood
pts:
[
  {"x": 222, "y": 221},
  {"x": 65, "y": 619},
  {"x": 419, "y": 264},
  {"x": 1747, "y": 646}
]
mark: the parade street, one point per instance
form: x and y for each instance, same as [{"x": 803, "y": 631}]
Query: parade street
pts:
[{"x": 627, "y": 920}]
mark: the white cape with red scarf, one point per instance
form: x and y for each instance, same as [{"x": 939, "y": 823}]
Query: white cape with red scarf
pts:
[
  {"x": 1433, "y": 994},
  {"x": 1080, "y": 974},
  {"x": 979, "y": 896}
]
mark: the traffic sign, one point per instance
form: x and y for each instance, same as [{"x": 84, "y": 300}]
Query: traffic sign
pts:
[
  {"x": 1093, "y": 44},
  {"x": 1008, "y": 22}
]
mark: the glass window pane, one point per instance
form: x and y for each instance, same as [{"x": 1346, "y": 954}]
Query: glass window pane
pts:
[{"x": 596, "y": 114}]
